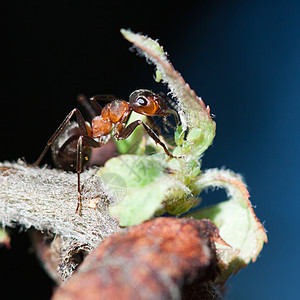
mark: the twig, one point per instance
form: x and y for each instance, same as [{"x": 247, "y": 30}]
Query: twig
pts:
[{"x": 46, "y": 200}]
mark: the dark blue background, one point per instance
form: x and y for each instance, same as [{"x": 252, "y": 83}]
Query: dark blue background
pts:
[
  {"x": 244, "y": 60},
  {"x": 241, "y": 57}
]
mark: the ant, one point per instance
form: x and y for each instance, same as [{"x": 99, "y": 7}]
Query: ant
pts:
[{"x": 76, "y": 140}]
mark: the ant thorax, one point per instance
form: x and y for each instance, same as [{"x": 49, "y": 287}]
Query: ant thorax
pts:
[
  {"x": 101, "y": 126},
  {"x": 115, "y": 110},
  {"x": 115, "y": 113}
]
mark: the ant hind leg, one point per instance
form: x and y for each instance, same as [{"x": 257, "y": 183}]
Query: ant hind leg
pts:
[
  {"x": 62, "y": 126},
  {"x": 91, "y": 142}
]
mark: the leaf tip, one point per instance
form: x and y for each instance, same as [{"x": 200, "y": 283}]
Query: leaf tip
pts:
[{"x": 125, "y": 32}]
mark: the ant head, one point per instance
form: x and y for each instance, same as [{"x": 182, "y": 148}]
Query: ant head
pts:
[{"x": 147, "y": 103}]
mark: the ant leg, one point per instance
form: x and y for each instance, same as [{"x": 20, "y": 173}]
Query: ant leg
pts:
[
  {"x": 103, "y": 98},
  {"x": 97, "y": 107},
  {"x": 90, "y": 141},
  {"x": 169, "y": 110},
  {"x": 127, "y": 131},
  {"x": 174, "y": 113},
  {"x": 89, "y": 109},
  {"x": 79, "y": 170},
  {"x": 154, "y": 125},
  {"x": 62, "y": 126}
]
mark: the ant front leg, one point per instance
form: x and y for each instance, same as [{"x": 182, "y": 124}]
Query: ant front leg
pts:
[
  {"x": 127, "y": 131},
  {"x": 154, "y": 126}
]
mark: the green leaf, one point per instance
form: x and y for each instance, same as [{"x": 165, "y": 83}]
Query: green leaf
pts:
[
  {"x": 236, "y": 220},
  {"x": 192, "y": 110},
  {"x": 145, "y": 181},
  {"x": 179, "y": 136},
  {"x": 155, "y": 184},
  {"x": 4, "y": 238}
]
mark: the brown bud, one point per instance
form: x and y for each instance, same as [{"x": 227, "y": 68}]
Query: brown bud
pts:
[{"x": 154, "y": 260}]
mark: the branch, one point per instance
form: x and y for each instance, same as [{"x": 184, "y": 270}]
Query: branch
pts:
[
  {"x": 46, "y": 200},
  {"x": 165, "y": 258}
]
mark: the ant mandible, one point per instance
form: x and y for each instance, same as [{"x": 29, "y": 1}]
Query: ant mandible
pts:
[{"x": 113, "y": 117}]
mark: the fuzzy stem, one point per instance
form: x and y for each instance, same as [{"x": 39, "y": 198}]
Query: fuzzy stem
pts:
[{"x": 46, "y": 200}]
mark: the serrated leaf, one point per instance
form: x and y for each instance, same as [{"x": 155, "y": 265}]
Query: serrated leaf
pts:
[
  {"x": 192, "y": 110},
  {"x": 236, "y": 220}
]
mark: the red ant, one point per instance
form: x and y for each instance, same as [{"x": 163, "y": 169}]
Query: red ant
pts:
[{"x": 79, "y": 138}]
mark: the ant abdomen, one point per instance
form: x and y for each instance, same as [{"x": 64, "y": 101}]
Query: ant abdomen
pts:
[{"x": 64, "y": 148}]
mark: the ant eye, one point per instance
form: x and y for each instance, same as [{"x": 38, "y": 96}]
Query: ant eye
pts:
[{"x": 142, "y": 101}]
